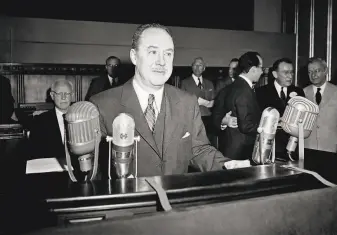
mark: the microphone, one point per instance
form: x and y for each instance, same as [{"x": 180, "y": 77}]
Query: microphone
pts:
[
  {"x": 264, "y": 142},
  {"x": 123, "y": 140},
  {"x": 298, "y": 120},
  {"x": 83, "y": 138}
]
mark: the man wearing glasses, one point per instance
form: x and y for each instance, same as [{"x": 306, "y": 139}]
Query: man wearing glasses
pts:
[
  {"x": 47, "y": 133},
  {"x": 276, "y": 94},
  {"x": 107, "y": 81}
]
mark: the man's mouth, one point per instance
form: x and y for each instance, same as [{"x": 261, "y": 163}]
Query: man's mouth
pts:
[{"x": 162, "y": 71}]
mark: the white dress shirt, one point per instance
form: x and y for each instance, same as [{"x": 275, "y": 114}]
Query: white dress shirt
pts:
[
  {"x": 196, "y": 80},
  {"x": 322, "y": 88},
  {"x": 143, "y": 97},
  {"x": 60, "y": 120},
  {"x": 278, "y": 89}
]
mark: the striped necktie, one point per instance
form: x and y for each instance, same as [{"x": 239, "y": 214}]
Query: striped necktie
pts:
[{"x": 150, "y": 114}]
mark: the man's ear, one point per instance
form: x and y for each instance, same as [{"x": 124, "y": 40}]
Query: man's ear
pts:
[
  {"x": 274, "y": 74},
  {"x": 133, "y": 56},
  {"x": 51, "y": 95}
]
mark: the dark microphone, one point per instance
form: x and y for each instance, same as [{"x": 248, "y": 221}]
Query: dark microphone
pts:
[
  {"x": 83, "y": 137},
  {"x": 123, "y": 140},
  {"x": 298, "y": 120},
  {"x": 264, "y": 142}
]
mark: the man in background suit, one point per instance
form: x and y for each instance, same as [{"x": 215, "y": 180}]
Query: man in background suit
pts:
[
  {"x": 240, "y": 98},
  {"x": 276, "y": 94},
  {"x": 324, "y": 134},
  {"x": 222, "y": 83},
  {"x": 47, "y": 133},
  {"x": 166, "y": 118},
  {"x": 107, "y": 81},
  {"x": 6, "y": 101},
  {"x": 203, "y": 89}
]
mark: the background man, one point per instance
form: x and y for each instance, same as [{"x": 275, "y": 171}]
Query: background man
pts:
[
  {"x": 47, "y": 133},
  {"x": 276, "y": 94},
  {"x": 107, "y": 81},
  {"x": 324, "y": 134},
  {"x": 240, "y": 98},
  {"x": 222, "y": 83}
]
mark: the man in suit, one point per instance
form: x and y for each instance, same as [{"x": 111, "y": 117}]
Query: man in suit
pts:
[
  {"x": 166, "y": 118},
  {"x": 203, "y": 89},
  {"x": 6, "y": 101},
  {"x": 323, "y": 93},
  {"x": 107, "y": 81},
  {"x": 276, "y": 94},
  {"x": 47, "y": 133},
  {"x": 241, "y": 100},
  {"x": 222, "y": 83}
]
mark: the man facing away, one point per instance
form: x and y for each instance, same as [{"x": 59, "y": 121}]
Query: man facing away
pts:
[
  {"x": 166, "y": 118},
  {"x": 240, "y": 99}
]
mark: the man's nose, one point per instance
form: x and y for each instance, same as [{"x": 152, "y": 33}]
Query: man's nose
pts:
[{"x": 160, "y": 59}]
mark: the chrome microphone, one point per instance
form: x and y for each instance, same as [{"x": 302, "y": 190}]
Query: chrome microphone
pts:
[
  {"x": 83, "y": 137},
  {"x": 299, "y": 117},
  {"x": 123, "y": 139},
  {"x": 265, "y": 138}
]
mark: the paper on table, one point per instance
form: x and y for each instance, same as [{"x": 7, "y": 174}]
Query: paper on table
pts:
[{"x": 43, "y": 165}]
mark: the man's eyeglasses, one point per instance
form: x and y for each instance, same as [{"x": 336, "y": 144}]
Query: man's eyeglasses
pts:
[
  {"x": 112, "y": 65},
  {"x": 63, "y": 94},
  {"x": 287, "y": 72}
]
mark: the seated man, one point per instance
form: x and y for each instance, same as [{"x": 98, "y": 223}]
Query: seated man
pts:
[{"x": 47, "y": 133}]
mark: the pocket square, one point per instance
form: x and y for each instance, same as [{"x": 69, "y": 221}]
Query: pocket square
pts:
[{"x": 187, "y": 134}]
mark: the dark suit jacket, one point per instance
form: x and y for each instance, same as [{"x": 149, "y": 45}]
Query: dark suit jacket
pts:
[
  {"x": 45, "y": 137},
  {"x": 237, "y": 143},
  {"x": 100, "y": 84},
  {"x": 6, "y": 101},
  {"x": 207, "y": 93},
  {"x": 180, "y": 115},
  {"x": 222, "y": 83},
  {"x": 268, "y": 97}
]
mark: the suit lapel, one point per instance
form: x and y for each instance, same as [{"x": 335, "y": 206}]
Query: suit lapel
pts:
[
  {"x": 172, "y": 120},
  {"x": 56, "y": 128},
  {"x": 310, "y": 94},
  {"x": 328, "y": 92},
  {"x": 131, "y": 103},
  {"x": 107, "y": 84}
]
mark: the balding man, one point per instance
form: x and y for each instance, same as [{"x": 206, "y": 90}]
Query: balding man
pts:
[{"x": 47, "y": 133}]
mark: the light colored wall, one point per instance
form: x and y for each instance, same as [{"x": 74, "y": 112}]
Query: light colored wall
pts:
[{"x": 29, "y": 40}]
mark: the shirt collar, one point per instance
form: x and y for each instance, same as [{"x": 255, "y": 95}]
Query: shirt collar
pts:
[
  {"x": 195, "y": 78},
  {"x": 144, "y": 95},
  {"x": 247, "y": 80},
  {"x": 322, "y": 88},
  {"x": 279, "y": 87}
]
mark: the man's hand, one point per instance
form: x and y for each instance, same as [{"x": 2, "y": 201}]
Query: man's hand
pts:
[
  {"x": 206, "y": 103},
  {"x": 237, "y": 164},
  {"x": 228, "y": 120}
]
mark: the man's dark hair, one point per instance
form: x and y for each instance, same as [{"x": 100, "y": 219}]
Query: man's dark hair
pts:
[
  {"x": 234, "y": 60},
  {"x": 112, "y": 57},
  {"x": 279, "y": 61},
  {"x": 248, "y": 60},
  {"x": 139, "y": 31}
]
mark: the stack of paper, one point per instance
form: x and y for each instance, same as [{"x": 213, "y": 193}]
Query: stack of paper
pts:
[{"x": 43, "y": 165}]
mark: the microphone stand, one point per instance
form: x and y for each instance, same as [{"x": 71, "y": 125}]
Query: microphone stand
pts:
[{"x": 109, "y": 139}]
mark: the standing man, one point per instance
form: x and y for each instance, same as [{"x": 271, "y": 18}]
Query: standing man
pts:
[
  {"x": 240, "y": 98},
  {"x": 276, "y": 94},
  {"x": 47, "y": 133},
  {"x": 222, "y": 83},
  {"x": 166, "y": 118},
  {"x": 107, "y": 81},
  {"x": 203, "y": 89},
  {"x": 6, "y": 101},
  {"x": 324, "y": 134}
]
